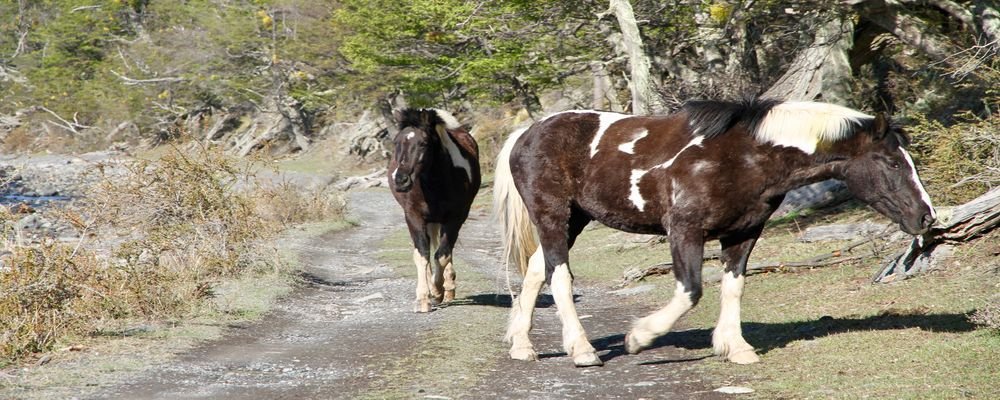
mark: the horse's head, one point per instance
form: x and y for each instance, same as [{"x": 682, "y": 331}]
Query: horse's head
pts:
[
  {"x": 412, "y": 147},
  {"x": 881, "y": 174}
]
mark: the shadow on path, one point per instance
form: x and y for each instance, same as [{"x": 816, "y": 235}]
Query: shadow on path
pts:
[{"x": 769, "y": 336}]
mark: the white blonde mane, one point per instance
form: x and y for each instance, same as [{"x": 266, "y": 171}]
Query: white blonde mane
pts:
[
  {"x": 450, "y": 122},
  {"x": 805, "y": 124}
]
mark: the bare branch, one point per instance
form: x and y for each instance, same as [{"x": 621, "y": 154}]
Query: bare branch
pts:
[
  {"x": 83, "y": 8},
  {"x": 132, "y": 82}
]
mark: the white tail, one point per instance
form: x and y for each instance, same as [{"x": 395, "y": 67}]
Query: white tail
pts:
[{"x": 519, "y": 239}]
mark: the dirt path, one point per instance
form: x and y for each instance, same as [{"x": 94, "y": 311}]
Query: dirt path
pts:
[{"x": 349, "y": 333}]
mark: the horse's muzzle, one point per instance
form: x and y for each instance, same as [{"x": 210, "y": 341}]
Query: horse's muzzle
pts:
[{"x": 919, "y": 228}]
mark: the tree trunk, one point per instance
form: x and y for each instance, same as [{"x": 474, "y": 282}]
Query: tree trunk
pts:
[
  {"x": 605, "y": 97},
  {"x": 967, "y": 221},
  {"x": 909, "y": 29},
  {"x": 644, "y": 98},
  {"x": 821, "y": 71}
]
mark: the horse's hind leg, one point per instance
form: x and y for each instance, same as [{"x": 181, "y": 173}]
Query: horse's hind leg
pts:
[
  {"x": 523, "y": 308},
  {"x": 727, "y": 338},
  {"x": 687, "y": 249},
  {"x": 556, "y": 243}
]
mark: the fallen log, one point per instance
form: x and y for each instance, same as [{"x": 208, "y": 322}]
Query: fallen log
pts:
[
  {"x": 961, "y": 224},
  {"x": 838, "y": 256}
]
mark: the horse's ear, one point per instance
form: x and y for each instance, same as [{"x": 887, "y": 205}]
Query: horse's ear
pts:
[{"x": 880, "y": 128}]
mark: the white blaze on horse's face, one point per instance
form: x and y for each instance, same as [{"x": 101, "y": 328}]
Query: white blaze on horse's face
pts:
[{"x": 915, "y": 180}]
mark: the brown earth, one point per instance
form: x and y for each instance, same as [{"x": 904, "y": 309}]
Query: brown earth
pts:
[{"x": 348, "y": 332}]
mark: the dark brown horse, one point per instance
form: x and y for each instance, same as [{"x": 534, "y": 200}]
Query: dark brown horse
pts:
[
  {"x": 434, "y": 176},
  {"x": 712, "y": 170}
]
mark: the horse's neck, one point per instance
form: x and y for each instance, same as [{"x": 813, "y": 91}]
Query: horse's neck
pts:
[{"x": 807, "y": 170}]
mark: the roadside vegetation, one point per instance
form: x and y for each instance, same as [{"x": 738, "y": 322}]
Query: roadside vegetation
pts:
[{"x": 157, "y": 239}]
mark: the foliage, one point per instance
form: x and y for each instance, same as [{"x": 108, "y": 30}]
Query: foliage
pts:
[
  {"x": 440, "y": 51},
  {"x": 959, "y": 162},
  {"x": 155, "y": 238}
]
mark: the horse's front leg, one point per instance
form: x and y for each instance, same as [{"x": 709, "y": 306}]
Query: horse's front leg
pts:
[
  {"x": 687, "y": 246},
  {"x": 443, "y": 255},
  {"x": 421, "y": 258},
  {"x": 436, "y": 278},
  {"x": 727, "y": 338}
]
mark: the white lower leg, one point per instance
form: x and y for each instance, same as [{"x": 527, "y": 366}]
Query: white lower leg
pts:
[
  {"x": 449, "y": 277},
  {"x": 423, "y": 303},
  {"x": 648, "y": 328},
  {"x": 523, "y": 309},
  {"x": 574, "y": 337},
  {"x": 727, "y": 338}
]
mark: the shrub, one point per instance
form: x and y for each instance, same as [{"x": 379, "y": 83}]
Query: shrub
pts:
[{"x": 155, "y": 237}]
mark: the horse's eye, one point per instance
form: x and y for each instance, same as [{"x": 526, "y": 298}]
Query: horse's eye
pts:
[{"x": 894, "y": 164}]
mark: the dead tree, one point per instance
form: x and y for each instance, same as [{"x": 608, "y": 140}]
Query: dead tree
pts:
[
  {"x": 965, "y": 222},
  {"x": 644, "y": 98}
]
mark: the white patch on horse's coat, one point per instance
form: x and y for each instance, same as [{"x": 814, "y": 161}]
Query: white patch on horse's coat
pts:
[
  {"x": 634, "y": 194},
  {"x": 629, "y": 146},
  {"x": 694, "y": 142},
  {"x": 916, "y": 182},
  {"x": 804, "y": 124},
  {"x": 457, "y": 159},
  {"x": 450, "y": 121},
  {"x": 606, "y": 120},
  {"x": 410, "y": 135}
]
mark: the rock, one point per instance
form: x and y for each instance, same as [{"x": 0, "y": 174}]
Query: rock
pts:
[
  {"x": 373, "y": 296},
  {"x": 374, "y": 179},
  {"x": 734, "y": 390}
]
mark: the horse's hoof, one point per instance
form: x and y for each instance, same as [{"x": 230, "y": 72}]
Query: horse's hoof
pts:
[
  {"x": 632, "y": 346},
  {"x": 587, "y": 360},
  {"x": 744, "y": 357},
  {"x": 449, "y": 295},
  {"x": 422, "y": 306},
  {"x": 524, "y": 354}
]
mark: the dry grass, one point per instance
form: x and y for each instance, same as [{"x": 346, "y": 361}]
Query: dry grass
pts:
[
  {"x": 156, "y": 238},
  {"x": 959, "y": 162}
]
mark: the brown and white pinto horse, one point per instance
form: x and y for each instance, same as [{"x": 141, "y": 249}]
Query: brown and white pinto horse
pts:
[
  {"x": 712, "y": 170},
  {"x": 434, "y": 176}
]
